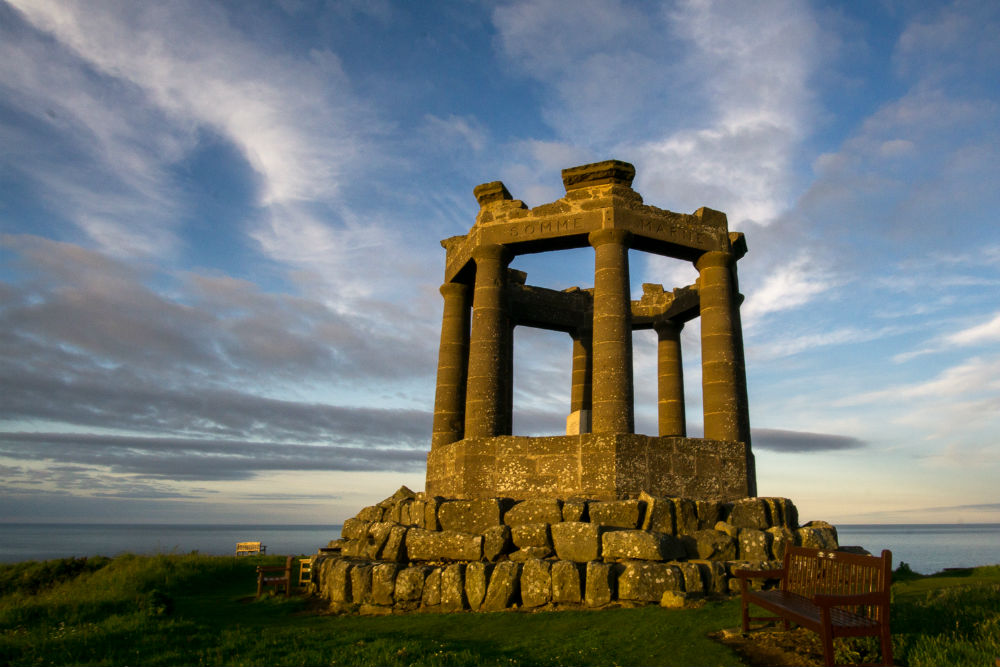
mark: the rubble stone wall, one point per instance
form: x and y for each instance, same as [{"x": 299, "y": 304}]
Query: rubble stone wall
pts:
[{"x": 414, "y": 552}]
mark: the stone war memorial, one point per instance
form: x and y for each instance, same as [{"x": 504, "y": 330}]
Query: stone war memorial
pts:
[{"x": 601, "y": 516}]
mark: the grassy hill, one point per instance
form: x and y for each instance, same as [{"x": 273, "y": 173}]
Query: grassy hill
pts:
[{"x": 199, "y": 610}]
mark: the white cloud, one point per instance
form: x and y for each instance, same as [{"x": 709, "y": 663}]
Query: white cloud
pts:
[
  {"x": 788, "y": 287},
  {"x": 987, "y": 332}
]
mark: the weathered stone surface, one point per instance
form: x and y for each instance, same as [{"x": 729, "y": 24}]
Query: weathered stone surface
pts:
[
  {"x": 710, "y": 545},
  {"x": 496, "y": 542},
  {"x": 375, "y": 539},
  {"x": 536, "y": 583},
  {"x": 410, "y": 582},
  {"x": 442, "y": 545},
  {"x": 817, "y": 535},
  {"x": 600, "y": 584},
  {"x": 402, "y": 493},
  {"x": 713, "y": 574},
  {"x": 431, "y": 596},
  {"x": 530, "y": 553},
  {"x": 783, "y": 512},
  {"x": 384, "y": 583},
  {"x": 577, "y": 541},
  {"x": 754, "y": 544},
  {"x": 534, "y": 511},
  {"x": 453, "y": 587},
  {"x": 477, "y": 577},
  {"x": 354, "y": 529},
  {"x": 370, "y": 609},
  {"x": 574, "y": 510},
  {"x": 416, "y": 515},
  {"x": 728, "y": 529},
  {"x": 531, "y": 535},
  {"x": 566, "y": 584},
  {"x": 660, "y": 514},
  {"x": 686, "y": 516},
  {"x": 394, "y": 549},
  {"x": 361, "y": 583},
  {"x": 400, "y": 511},
  {"x": 337, "y": 582},
  {"x": 781, "y": 539},
  {"x": 369, "y": 514},
  {"x": 470, "y": 516},
  {"x": 640, "y": 544},
  {"x": 709, "y": 512},
  {"x": 691, "y": 576},
  {"x": 750, "y": 513},
  {"x": 673, "y": 599},
  {"x": 617, "y": 513},
  {"x": 503, "y": 587},
  {"x": 645, "y": 581},
  {"x": 431, "y": 505}
]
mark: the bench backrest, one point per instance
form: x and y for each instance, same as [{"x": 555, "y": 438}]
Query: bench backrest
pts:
[{"x": 810, "y": 572}]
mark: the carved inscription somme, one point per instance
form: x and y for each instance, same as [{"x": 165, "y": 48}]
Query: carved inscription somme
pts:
[{"x": 542, "y": 227}]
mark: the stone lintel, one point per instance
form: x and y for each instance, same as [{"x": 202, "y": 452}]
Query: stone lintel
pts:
[
  {"x": 614, "y": 172},
  {"x": 487, "y": 193},
  {"x": 656, "y": 305}
]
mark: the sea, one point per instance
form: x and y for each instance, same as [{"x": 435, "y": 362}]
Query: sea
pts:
[{"x": 926, "y": 548}]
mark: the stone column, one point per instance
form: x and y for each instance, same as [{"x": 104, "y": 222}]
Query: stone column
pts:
[
  {"x": 453, "y": 366},
  {"x": 580, "y": 394},
  {"x": 612, "y": 339},
  {"x": 486, "y": 397},
  {"x": 670, "y": 379},
  {"x": 723, "y": 375}
]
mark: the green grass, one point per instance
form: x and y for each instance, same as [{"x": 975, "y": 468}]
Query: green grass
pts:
[{"x": 199, "y": 610}]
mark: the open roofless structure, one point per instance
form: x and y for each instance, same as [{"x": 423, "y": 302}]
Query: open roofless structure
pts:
[{"x": 474, "y": 455}]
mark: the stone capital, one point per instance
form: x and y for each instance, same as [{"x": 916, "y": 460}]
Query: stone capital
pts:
[
  {"x": 450, "y": 290},
  {"x": 487, "y": 193},
  {"x": 491, "y": 252},
  {"x": 667, "y": 327},
  {"x": 604, "y": 236},
  {"x": 714, "y": 258}
]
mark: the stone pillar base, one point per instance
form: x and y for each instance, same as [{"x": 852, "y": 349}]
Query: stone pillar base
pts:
[
  {"x": 595, "y": 466},
  {"x": 578, "y": 422}
]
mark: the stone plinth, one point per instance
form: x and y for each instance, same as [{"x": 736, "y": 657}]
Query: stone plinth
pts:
[{"x": 591, "y": 465}]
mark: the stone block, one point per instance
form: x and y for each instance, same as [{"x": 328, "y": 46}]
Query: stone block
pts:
[
  {"x": 714, "y": 576},
  {"x": 361, "y": 583},
  {"x": 600, "y": 584},
  {"x": 369, "y": 514},
  {"x": 686, "y": 516},
  {"x": 617, "y": 513},
  {"x": 727, "y": 528},
  {"x": 817, "y": 535},
  {"x": 453, "y": 587},
  {"x": 710, "y": 545},
  {"x": 783, "y": 512},
  {"x": 503, "y": 587},
  {"x": 384, "y": 583},
  {"x": 750, "y": 513},
  {"x": 542, "y": 510},
  {"x": 431, "y": 505},
  {"x": 394, "y": 549},
  {"x": 375, "y": 539},
  {"x": 496, "y": 542},
  {"x": 531, "y": 535},
  {"x": 673, "y": 600},
  {"x": 337, "y": 584},
  {"x": 470, "y": 516},
  {"x": 354, "y": 529},
  {"x": 754, "y": 544},
  {"x": 660, "y": 514},
  {"x": 410, "y": 583},
  {"x": 374, "y": 610},
  {"x": 577, "y": 541},
  {"x": 431, "y": 597},
  {"x": 477, "y": 577},
  {"x": 781, "y": 539},
  {"x": 644, "y": 581},
  {"x": 640, "y": 544},
  {"x": 709, "y": 513},
  {"x": 691, "y": 576},
  {"x": 536, "y": 583},
  {"x": 442, "y": 545},
  {"x": 400, "y": 511},
  {"x": 574, "y": 510},
  {"x": 530, "y": 553},
  {"x": 566, "y": 584},
  {"x": 416, "y": 516}
]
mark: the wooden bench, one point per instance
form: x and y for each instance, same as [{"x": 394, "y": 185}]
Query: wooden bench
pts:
[
  {"x": 832, "y": 593},
  {"x": 269, "y": 576},
  {"x": 250, "y": 549}
]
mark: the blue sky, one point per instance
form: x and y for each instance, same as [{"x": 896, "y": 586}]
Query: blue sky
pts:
[{"x": 220, "y": 226}]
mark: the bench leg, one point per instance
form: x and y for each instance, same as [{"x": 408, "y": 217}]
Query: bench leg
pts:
[
  {"x": 826, "y": 635},
  {"x": 887, "y": 644}
]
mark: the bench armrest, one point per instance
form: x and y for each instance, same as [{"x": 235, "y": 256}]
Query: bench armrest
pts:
[
  {"x": 850, "y": 600},
  {"x": 760, "y": 574}
]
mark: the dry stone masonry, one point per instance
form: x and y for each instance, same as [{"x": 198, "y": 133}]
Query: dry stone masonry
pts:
[
  {"x": 474, "y": 455},
  {"x": 414, "y": 552}
]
